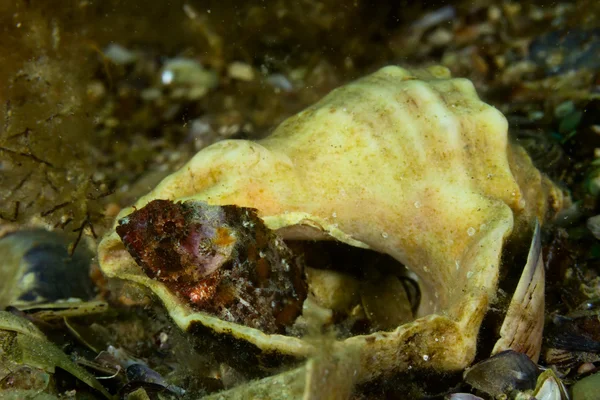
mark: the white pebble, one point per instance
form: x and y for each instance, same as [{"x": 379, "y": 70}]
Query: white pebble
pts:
[{"x": 240, "y": 71}]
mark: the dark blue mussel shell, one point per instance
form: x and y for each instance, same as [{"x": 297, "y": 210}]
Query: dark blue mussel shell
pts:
[{"x": 48, "y": 271}]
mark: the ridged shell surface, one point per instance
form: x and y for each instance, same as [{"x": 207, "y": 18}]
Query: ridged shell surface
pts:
[{"x": 405, "y": 162}]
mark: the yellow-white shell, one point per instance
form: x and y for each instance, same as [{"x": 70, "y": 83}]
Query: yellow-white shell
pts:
[{"x": 405, "y": 162}]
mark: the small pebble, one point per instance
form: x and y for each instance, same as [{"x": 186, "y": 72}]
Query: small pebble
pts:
[
  {"x": 587, "y": 388},
  {"x": 240, "y": 71},
  {"x": 585, "y": 367},
  {"x": 119, "y": 55},
  {"x": 593, "y": 224}
]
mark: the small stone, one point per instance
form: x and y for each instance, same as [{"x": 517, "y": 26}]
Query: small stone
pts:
[
  {"x": 280, "y": 82},
  {"x": 564, "y": 109},
  {"x": 593, "y": 183},
  {"x": 95, "y": 90},
  {"x": 151, "y": 94},
  {"x": 440, "y": 37},
  {"x": 587, "y": 388},
  {"x": 585, "y": 368},
  {"x": 111, "y": 210},
  {"x": 494, "y": 13},
  {"x": 570, "y": 122},
  {"x": 593, "y": 224},
  {"x": 188, "y": 77},
  {"x": 111, "y": 122},
  {"x": 119, "y": 55},
  {"x": 240, "y": 71}
]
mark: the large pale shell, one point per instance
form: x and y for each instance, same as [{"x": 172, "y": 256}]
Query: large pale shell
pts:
[{"x": 405, "y": 162}]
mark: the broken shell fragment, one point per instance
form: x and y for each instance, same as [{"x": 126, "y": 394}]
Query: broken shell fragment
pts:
[
  {"x": 524, "y": 321},
  {"x": 549, "y": 387},
  {"x": 410, "y": 163}
]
